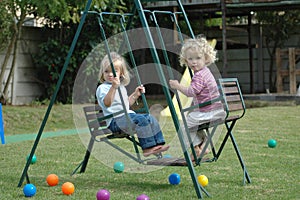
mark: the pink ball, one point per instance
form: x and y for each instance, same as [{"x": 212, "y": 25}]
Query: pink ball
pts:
[
  {"x": 103, "y": 195},
  {"x": 143, "y": 197}
]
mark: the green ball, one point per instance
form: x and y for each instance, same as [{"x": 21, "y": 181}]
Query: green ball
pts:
[
  {"x": 272, "y": 143},
  {"x": 119, "y": 167},
  {"x": 33, "y": 159}
]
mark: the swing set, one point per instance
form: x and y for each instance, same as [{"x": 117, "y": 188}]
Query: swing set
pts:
[{"x": 230, "y": 94}]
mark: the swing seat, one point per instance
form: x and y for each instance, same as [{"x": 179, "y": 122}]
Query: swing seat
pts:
[
  {"x": 97, "y": 125},
  {"x": 234, "y": 105},
  {"x": 232, "y": 99},
  {"x": 100, "y": 132}
]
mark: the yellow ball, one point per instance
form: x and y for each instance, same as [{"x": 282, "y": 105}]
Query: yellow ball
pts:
[{"x": 203, "y": 180}]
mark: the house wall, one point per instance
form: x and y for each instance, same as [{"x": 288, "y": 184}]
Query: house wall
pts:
[
  {"x": 25, "y": 87},
  {"x": 238, "y": 59}
]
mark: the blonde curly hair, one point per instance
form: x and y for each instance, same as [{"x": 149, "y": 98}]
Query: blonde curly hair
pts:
[
  {"x": 124, "y": 67},
  {"x": 201, "y": 46}
]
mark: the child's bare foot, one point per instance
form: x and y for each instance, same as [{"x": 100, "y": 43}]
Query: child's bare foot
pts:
[
  {"x": 201, "y": 149},
  {"x": 197, "y": 151},
  {"x": 155, "y": 150},
  {"x": 162, "y": 149},
  {"x": 149, "y": 151}
]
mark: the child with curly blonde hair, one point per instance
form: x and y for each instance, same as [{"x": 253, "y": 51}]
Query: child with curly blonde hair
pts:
[{"x": 198, "y": 54}]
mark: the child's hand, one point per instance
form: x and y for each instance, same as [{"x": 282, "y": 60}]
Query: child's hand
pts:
[
  {"x": 139, "y": 90},
  {"x": 174, "y": 84},
  {"x": 116, "y": 82}
]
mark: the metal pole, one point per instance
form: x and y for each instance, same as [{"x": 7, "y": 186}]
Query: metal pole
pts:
[
  {"x": 224, "y": 43},
  {"x": 168, "y": 95},
  {"x": 61, "y": 77}
]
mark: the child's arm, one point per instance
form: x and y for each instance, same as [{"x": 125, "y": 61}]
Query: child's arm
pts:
[
  {"x": 174, "y": 84},
  {"x": 136, "y": 94},
  {"x": 109, "y": 98}
]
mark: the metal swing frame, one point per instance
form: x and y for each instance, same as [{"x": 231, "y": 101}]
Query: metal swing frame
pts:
[{"x": 141, "y": 13}]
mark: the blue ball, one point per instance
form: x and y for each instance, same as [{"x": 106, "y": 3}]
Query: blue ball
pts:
[
  {"x": 272, "y": 143},
  {"x": 174, "y": 179},
  {"x": 119, "y": 167},
  {"x": 29, "y": 190},
  {"x": 167, "y": 156}
]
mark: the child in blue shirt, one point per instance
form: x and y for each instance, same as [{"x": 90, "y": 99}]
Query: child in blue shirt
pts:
[{"x": 145, "y": 125}]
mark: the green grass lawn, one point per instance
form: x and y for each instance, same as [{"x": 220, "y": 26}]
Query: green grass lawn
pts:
[{"x": 274, "y": 172}]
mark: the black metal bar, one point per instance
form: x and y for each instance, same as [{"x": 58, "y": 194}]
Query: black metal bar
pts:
[
  {"x": 87, "y": 155},
  {"x": 238, "y": 153},
  {"x": 76, "y": 169},
  {"x": 224, "y": 41}
]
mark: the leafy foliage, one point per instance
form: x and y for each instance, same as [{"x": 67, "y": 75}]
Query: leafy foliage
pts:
[
  {"x": 51, "y": 57},
  {"x": 53, "y": 52},
  {"x": 6, "y": 25},
  {"x": 279, "y": 25}
]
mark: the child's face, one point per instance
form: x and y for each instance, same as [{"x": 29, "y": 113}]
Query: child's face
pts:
[
  {"x": 108, "y": 73},
  {"x": 194, "y": 60}
]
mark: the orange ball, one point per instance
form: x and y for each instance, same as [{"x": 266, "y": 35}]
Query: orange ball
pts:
[
  {"x": 52, "y": 179},
  {"x": 68, "y": 188}
]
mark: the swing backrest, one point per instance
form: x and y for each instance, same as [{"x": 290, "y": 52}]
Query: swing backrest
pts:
[
  {"x": 97, "y": 124},
  {"x": 233, "y": 100}
]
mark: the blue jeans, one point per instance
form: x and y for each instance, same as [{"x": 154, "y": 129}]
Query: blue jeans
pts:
[{"x": 145, "y": 125}]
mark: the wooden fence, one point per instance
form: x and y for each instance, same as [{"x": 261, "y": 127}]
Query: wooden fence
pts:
[{"x": 291, "y": 72}]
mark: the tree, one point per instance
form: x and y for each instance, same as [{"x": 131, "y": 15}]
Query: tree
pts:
[
  {"x": 6, "y": 22},
  {"x": 17, "y": 12},
  {"x": 50, "y": 59},
  {"x": 279, "y": 26}
]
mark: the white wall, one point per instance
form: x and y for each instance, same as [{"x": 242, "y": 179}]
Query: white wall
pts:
[{"x": 24, "y": 88}]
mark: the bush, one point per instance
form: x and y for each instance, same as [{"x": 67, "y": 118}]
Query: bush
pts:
[{"x": 52, "y": 56}]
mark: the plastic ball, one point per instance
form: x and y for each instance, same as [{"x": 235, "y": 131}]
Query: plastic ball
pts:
[
  {"x": 103, "y": 195},
  {"x": 167, "y": 156},
  {"x": 272, "y": 143},
  {"x": 143, "y": 197},
  {"x": 68, "y": 188},
  {"x": 174, "y": 179},
  {"x": 203, "y": 180},
  {"x": 119, "y": 167},
  {"x": 33, "y": 159},
  {"x": 52, "y": 179},
  {"x": 29, "y": 190}
]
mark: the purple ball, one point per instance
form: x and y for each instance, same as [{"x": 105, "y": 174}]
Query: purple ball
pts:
[
  {"x": 103, "y": 195},
  {"x": 143, "y": 197}
]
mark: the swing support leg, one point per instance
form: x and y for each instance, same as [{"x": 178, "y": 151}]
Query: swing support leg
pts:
[
  {"x": 85, "y": 161},
  {"x": 59, "y": 82},
  {"x": 245, "y": 172},
  {"x": 163, "y": 81},
  {"x": 229, "y": 127}
]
